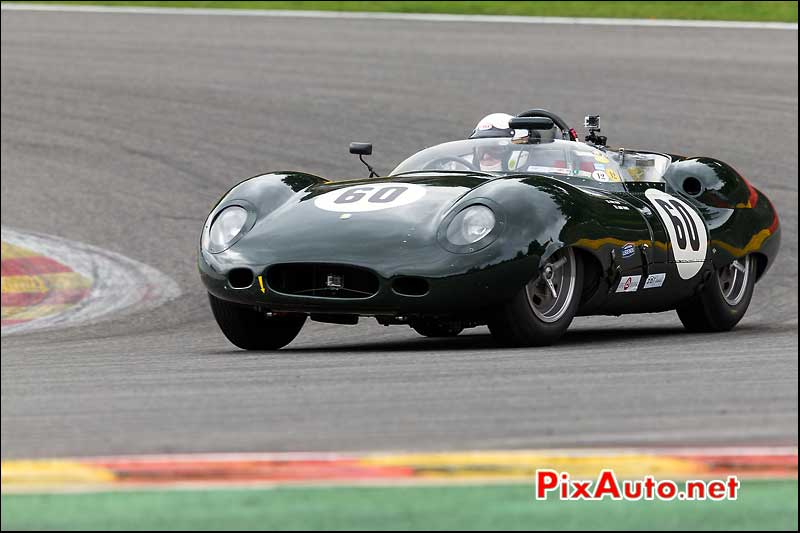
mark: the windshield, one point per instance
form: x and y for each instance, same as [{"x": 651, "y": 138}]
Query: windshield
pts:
[{"x": 565, "y": 158}]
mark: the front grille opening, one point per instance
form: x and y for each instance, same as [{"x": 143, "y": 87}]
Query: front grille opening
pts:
[
  {"x": 240, "y": 278},
  {"x": 322, "y": 280},
  {"x": 408, "y": 286}
]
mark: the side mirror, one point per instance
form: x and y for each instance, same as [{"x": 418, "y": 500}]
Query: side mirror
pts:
[
  {"x": 361, "y": 148},
  {"x": 531, "y": 123}
]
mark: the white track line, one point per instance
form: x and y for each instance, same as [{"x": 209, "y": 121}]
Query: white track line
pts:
[
  {"x": 755, "y": 451},
  {"x": 119, "y": 284},
  {"x": 423, "y": 17}
]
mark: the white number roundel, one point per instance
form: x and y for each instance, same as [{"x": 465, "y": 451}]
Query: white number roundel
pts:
[
  {"x": 687, "y": 231},
  {"x": 368, "y": 197}
]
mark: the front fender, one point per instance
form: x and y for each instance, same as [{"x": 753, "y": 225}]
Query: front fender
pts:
[{"x": 265, "y": 193}]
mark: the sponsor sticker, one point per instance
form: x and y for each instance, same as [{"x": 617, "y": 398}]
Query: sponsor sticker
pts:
[
  {"x": 636, "y": 173},
  {"x": 550, "y": 170},
  {"x": 628, "y": 250},
  {"x": 617, "y": 205},
  {"x": 612, "y": 175},
  {"x": 601, "y": 159},
  {"x": 629, "y": 283},
  {"x": 654, "y": 281},
  {"x": 361, "y": 198},
  {"x": 599, "y": 175}
]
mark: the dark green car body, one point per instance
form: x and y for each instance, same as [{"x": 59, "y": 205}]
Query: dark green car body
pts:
[{"x": 397, "y": 262}]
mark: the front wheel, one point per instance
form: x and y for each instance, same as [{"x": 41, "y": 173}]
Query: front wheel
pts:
[
  {"x": 542, "y": 310},
  {"x": 250, "y": 329},
  {"x": 723, "y": 301}
]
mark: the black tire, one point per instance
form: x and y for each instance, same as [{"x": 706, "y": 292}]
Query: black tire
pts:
[
  {"x": 713, "y": 309},
  {"x": 251, "y": 330},
  {"x": 436, "y": 329},
  {"x": 517, "y": 324}
]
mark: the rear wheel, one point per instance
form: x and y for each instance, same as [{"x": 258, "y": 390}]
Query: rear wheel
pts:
[
  {"x": 431, "y": 328},
  {"x": 544, "y": 308},
  {"x": 724, "y": 300},
  {"x": 253, "y": 330}
]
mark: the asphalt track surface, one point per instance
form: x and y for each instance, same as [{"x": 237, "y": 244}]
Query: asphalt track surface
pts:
[{"x": 121, "y": 131}]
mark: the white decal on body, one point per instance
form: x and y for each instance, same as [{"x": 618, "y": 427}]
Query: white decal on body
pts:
[
  {"x": 686, "y": 229},
  {"x": 361, "y": 198},
  {"x": 629, "y": 283},
  {"x": 654, "y": 281}
]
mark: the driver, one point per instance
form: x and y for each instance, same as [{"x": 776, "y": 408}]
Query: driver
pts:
[
  {"x": 490, "y": 158},
  {"x": 493, "y": 125}
]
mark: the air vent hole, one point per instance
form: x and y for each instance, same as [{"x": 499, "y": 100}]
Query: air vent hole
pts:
[{"x": 692, "y": 186}]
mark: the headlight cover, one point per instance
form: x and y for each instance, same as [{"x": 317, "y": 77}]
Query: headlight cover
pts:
[
  {"x": 471, "y": 225},
  {"x": 226, "y": 227}
]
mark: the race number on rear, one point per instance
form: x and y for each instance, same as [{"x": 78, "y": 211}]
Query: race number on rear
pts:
[{"x": 687, "y": 231}]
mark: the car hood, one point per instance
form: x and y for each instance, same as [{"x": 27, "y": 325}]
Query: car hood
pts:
[{"x": 322, "y": 223}]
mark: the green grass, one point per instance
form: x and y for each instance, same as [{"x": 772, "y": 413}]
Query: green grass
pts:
[
  {"x": 751, "y": 11},
  {"x": 762, "y": 505}
]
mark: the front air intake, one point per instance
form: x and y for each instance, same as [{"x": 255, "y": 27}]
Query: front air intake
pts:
[
  {"x": 410, "y": 286},
  {"x": 322, "y": 280},
  {"x": 240, "y": 278}
]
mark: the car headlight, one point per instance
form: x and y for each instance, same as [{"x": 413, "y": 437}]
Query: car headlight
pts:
[
  {"x": 226, "y": 227},
  {"x": 471, "y": 225}
]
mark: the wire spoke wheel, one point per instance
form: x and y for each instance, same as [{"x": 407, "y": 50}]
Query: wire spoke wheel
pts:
[
  {"x": 733, "y": 280},
  {"x": 550, "y": 294}
]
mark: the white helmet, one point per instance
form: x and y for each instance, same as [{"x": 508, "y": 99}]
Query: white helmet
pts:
[{"x": 494, "y": 125}]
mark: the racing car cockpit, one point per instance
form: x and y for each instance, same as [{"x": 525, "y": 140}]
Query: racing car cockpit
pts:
[
  {"x": 544, "y": 156},
  {"x": 543, "y": 144}
]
